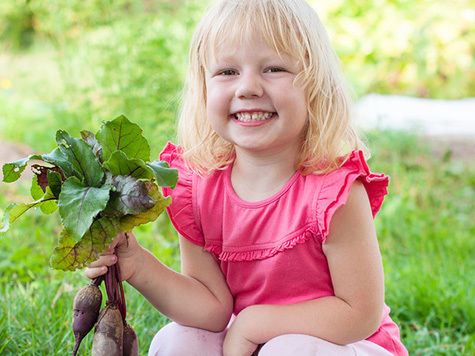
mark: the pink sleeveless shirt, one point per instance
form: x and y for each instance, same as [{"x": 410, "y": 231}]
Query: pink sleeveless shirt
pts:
[{"x": 270, "y": 251}]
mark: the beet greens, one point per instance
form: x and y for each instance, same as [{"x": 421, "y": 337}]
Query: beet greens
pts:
[{"x": 100, "y": 184}]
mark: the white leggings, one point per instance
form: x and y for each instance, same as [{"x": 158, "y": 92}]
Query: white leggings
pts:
[{"x": 177, "y": 340}]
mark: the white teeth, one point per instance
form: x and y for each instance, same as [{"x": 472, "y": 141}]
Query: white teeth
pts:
[{"x": 255, "y": 116}]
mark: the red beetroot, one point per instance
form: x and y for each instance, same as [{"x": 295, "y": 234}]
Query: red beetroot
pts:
[
  {"x": 87, "y": 304},
  {"x": 131, "y": 343},
  {"x": 108, "y": 334}
]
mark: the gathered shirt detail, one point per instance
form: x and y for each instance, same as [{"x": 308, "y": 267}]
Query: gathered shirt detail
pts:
[{"x": 270, "y": 251}]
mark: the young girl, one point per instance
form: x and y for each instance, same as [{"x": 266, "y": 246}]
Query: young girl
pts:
[{"x": 274, "y": 203}]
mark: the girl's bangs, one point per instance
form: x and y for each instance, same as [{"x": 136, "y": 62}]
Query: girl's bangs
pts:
[{"x": 240, "y": 22}]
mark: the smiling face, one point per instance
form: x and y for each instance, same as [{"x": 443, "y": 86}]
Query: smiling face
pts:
[{"x": 251, "y": 98}]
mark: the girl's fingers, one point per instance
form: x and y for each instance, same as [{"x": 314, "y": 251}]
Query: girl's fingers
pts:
[
  {"x": 95, "y": 272},
  {"x": 99, "y": 267},
  {"x": 104, "y": 260},
  {"x": 107, "y": 258}
]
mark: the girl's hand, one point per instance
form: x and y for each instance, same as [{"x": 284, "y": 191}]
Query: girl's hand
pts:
[
  {"x": 236, "y": 343},
  {"x": 123, "y": 250}
]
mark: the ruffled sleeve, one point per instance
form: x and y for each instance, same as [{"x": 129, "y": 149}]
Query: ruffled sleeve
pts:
[
  {"x": 336, "y": 187},
  {"x": 181, "y": 211}
]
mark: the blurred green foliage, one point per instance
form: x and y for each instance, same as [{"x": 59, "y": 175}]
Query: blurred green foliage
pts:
[
  {"x": 92, "y": 61},
  {"x": 83, "y": 61},
  {"x": 420, "y": 48},
  {"x": 63, "y": 21}
]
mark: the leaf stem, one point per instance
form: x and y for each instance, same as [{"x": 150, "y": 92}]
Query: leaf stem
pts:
[
  {"x": 97, "y": 281},
  {"x": 115, "y": 289}
]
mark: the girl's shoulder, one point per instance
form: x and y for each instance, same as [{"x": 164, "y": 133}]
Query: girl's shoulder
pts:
[
  {"x": 335, "y": 188},
  {"x": 337, "y": 183}
]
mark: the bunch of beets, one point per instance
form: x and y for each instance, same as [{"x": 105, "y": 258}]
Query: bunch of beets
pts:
[{"x": 101, "y": 184}]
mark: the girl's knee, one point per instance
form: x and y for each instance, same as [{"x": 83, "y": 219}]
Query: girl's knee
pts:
[
  {"x": 304, "y": 345},
  {"x": 178, "y": 340}
]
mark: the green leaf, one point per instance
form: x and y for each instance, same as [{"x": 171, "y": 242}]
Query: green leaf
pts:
[
  {"x": 91, "y": 140},
  {"x": 80, "y": 155},
  {"x": 166, "y": 176},
  {"x": 122, "y": 135},
  {"x": 37, "y": 193},
  {"x": 13, "y": 170},
  {"x": 41, "y": 173},
  {"x": 55, "y": 182},
  {"x": 130, "y": 195},
  {"x": 128, "y": 222},
  {"x": 35, "y": 189},
  {"x": 50, "y": 206},
  {"x": 58, "y": 158},
  {"x": 119, "y": 165},
  {"x": 79, "y": 204},
  {"x": 14, "y": 211},
  {"x": 70, "y": 255}
]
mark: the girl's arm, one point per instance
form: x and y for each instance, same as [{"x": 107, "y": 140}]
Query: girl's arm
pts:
[
  {"x": 198, "y": 297},
  {"x": 355, "y": 312}
]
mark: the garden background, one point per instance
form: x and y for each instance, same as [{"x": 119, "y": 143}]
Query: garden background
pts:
[{"x": 71, "y": 64}]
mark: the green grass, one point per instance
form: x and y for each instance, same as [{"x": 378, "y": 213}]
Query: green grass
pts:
[
  {"x": 36, "y": 301},
  {"x": 36, "y": 318},
  {"x": 425, "y": 229}
]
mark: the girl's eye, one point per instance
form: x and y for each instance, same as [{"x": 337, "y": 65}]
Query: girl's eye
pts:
[
  {"x": 274, "y": 70},
  {"x": 227, "y": 72}
]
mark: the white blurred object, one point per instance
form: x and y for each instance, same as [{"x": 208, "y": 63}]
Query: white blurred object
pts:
[{"x": 431, "y": 117}]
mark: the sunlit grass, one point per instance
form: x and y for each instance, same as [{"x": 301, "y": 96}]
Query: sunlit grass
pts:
[
  {"x": 425, "y": 229},
  {"x": 36, "y": 301},
  {"x": 35, "y": 317}
]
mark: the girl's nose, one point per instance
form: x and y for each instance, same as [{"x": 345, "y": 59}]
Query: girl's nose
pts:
[{"x": 249, "y": 86}]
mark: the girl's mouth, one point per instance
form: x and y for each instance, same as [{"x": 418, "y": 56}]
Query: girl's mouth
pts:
[{"x": 253, "y": 119}]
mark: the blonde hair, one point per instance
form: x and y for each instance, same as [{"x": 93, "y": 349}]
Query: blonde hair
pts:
[{"x": 289, "y": 26}]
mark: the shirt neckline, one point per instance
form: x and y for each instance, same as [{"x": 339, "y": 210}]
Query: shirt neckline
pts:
[{"x": 233, "y": 196}]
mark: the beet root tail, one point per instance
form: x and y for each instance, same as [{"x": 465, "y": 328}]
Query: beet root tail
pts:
[{"x": 78, "y": 343}]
